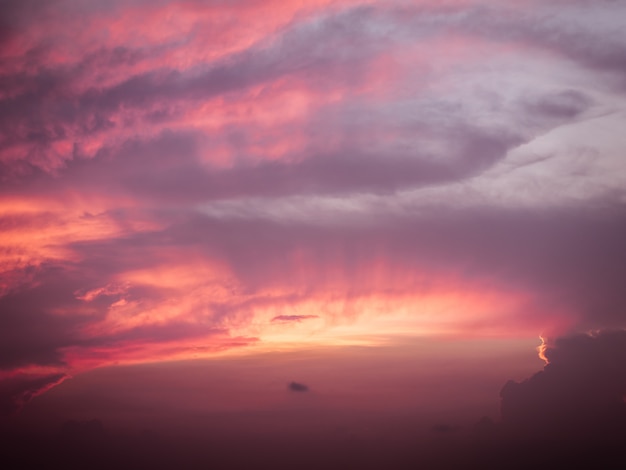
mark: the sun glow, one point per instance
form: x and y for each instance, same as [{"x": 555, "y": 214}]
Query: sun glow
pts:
[{"x": 541, "y": 349}]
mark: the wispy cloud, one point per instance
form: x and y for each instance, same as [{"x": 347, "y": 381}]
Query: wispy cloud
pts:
[{"x": 292, "y": 318}]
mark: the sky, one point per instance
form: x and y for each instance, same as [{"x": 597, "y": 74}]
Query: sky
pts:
[{"x": 386, "y": 203}]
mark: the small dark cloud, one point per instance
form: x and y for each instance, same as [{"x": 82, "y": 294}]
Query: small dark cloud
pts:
[
  {"x": 580, "y": 391},
  {"x": 297, "y": 387},
  {"x": 292, "y": 318}
]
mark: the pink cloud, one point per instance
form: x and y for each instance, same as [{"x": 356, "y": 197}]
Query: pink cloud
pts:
[{"x": 123, "y": 125}]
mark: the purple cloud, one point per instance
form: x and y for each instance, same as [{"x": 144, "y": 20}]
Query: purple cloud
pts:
[{"x": 580, "y": 391}]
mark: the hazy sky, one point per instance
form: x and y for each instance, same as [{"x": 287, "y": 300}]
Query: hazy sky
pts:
[{"x": 413, "y": 191}]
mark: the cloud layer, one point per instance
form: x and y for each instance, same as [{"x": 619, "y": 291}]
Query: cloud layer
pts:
[{"x": 181, "y": 178}]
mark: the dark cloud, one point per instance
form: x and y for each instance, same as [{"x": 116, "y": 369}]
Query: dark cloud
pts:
[
  {"x": 584, "y": 42},
  {"x": 168, "y": 168},
  {"x": 580, "y": 391},
  {"x": 297, "y": 387},
  {"x": 18, "y": 390},
  {"x": 45, "y": 315},
  {"x": 292, "y": 318},
  {"x": 30, "y": 331},
  {"x": 18, "y": 15},
  {"x": 566, "y": 105}
]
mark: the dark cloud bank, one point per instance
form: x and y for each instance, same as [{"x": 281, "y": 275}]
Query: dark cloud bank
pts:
[
  {"x": 571, "y": 414},
  {"x": 580, "y": 392}
]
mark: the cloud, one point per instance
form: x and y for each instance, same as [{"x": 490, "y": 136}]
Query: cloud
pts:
[
  {"x": 297, "y": 387},
  {"x": 44, "y": 320},
  {"x": 510, "y": 249},
  {"x": 114, "y": 156},
  {"x": 580, "y": 391},
  {"x": 173, "y": 290},
  {"x": 49, "y": 108},
  {"x": 29, "y": 332},
  {"x": 566, "y": 105},
  {"x": 16, "y": 391},
  {"x": 292, "y": 318}
]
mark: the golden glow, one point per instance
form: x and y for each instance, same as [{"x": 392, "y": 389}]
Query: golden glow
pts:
[{"x": 541, "y": 349}]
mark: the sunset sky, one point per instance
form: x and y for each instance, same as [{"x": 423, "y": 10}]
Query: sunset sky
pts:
[{"x": 390, "y": 203}]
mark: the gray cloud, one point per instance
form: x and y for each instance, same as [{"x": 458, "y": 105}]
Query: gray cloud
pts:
[
  {"x": 47, "y": 107},
  {"x": 292, "y": 318},
  {"x": 297, "y": 387},
  {"x": 580, "y": 391}
]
